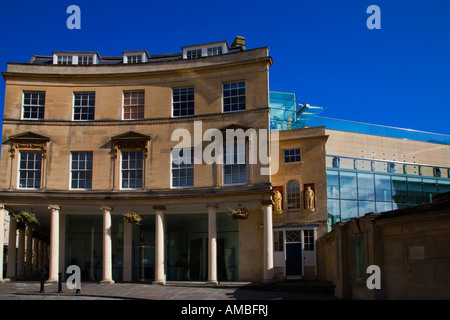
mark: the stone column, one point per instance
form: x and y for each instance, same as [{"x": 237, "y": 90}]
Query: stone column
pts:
[
  {"x": 21, "y": 254},
  {"x": 11, "y": 267},
  {"x": 2, "y": 231},
  {"x": 107, "y": 246},
  {"x": 29, "y": 253},
  {"x": 212, "y": 244},
  {"x": 268, "y": 242},
  {"x": 160, "y": 275},
  {"x": 127, "y": 251},
  {"x": 54, "y": 243}
]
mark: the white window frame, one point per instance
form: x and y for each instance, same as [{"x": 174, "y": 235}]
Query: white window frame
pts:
[
  {"x": 128, "y": 169},
  {"x": 237, "y": 154},
  {"x": 298, "y": 196},
  {"x": 204, "y": 49},
  {"x": 129, "y": 56},
  {"x": 21, "y": 152},
  {"x": 138, "y": 105},
  {"x": 179, "y": 102},
  {"x": 81, "y": 106},
  {"x": 31, "y": 105},
  {"x": 238, "y": 83},
  {"x": 86, "y": 170},
  {"x": 189, "y": 166}
]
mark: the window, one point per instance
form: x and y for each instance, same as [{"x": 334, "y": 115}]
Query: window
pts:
[
  {"x": 308, "y": 236},
  {"x": 233, "y": 96},
  {"x": 33, "y": 105},
  {"x": 234, "y": 165},
  {"x": 64, "y": 59},
  {"x": 85, "y": 60},
  {"x": 214, "y": 51},
  {"x": 84, "y": 106},
  {"x": 293, "y": 195},
  {"x": 134, "y": 59},
  {"x": 183, "y": 168},
  {"x": 30, "y": 169},
  {"x": 183, "y": 102},
  {"x": 196, "y": 53},
  {"x": 81, "y": 170},
  {"x": 292, "y": 155},
  {"x": 278, "y": 241},
  {"x": 133, "y": 105},
  {"x": 132, "y": 169}
]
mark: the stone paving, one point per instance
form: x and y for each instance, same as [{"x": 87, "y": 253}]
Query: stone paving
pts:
[{"x": 30, "y": 290}]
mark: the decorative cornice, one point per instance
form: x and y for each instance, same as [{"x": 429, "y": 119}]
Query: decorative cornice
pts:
[{"x": 147, "y": 121}]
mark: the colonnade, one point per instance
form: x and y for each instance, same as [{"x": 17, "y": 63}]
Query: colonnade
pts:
[
  {"x": 38, "y": 256},
  {"x": 27, "y": 252}
]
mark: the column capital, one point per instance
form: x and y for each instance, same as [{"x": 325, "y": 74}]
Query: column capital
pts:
[
  {"x": 53, "y": 207},
  {"x": 267, "y": 202},
  {"x": 214, "y": 205},
  {"x": 159, "y": 207},
  {"x": 2, "y": 206},
  {"x": 106, "y": 208}
]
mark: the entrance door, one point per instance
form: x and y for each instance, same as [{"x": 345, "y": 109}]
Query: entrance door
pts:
[
  {"x": 294, "y": 253},
  {"x": 143, "y": 261}
]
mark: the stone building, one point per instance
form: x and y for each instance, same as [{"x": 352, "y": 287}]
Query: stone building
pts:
[{"x": 88, "y": 138}]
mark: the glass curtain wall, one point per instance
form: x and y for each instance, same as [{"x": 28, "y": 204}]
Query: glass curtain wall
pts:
[
  {"x": 84, "y": 245},
  {"x": 353, "y": 194}
]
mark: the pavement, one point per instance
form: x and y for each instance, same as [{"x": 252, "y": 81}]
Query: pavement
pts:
[{"x": 30, "y": 290}]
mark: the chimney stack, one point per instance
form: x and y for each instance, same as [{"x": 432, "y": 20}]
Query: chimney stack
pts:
[{"x": 239, "y": 42}]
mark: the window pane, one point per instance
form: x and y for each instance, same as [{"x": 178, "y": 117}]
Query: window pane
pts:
[{"x": 348, "y": 185}]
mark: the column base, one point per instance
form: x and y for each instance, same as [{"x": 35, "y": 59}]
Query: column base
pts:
[
  {"x": 213, "y": 282},
  {"x": 107, "y": 281},
  {"x": 161, "y": 282},
  {"x": 51, "y": 281}
]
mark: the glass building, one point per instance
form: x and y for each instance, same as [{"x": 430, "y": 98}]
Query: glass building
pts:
[{"x": 357, "y": 185}]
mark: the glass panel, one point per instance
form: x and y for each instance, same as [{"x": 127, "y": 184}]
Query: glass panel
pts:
[
  {"x": 399, "y": 191},
  {"x": 366, "y": 186},
  {"x": 348, "y": 185},
  {"x": 349, "y": 209},
  {"x": 333, "y": 184},
  {"x": 383, "y": 187},
  {"x": 429, "y": 190},
  {"x": 414, "y": 191}
]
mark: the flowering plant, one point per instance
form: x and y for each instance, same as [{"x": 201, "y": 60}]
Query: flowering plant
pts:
[
  {"x": 241, "y": 213},
  {"x": 25, "y": 218},
  {"x": 132, "y": 217}
]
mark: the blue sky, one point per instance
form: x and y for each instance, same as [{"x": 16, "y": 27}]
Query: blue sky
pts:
[{"x": 322, "y": 49}]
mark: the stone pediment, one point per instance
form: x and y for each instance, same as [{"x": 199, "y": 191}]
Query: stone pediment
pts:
[
  {"x": 131, "y": 140},
  {"x": 29, "y": 136},
  {"x": 235, "y": 126},
  {"x": 28, "y": 140}
]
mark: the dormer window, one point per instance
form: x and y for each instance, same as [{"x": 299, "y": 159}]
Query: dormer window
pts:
[
  {"x": 75, "y": 58},
  {"x": 85, "y": 60},
  {"x": 64, "y": 59},
  {"x": 214, "y": 51},
  {"x": 133, "y": 57},
  {"x": 196, "y": 53},
  {"x": 205, "y": 50}
]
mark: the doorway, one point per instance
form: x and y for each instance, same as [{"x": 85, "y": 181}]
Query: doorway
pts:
[{"x": 294, "y": 254}]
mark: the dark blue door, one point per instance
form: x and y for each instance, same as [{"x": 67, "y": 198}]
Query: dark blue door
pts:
[{"x": 293, "y": 259}]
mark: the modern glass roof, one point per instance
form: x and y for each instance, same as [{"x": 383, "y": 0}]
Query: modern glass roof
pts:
[{"x": 287, "y": 114}]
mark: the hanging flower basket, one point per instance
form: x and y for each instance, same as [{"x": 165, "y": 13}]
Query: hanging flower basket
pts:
[
  {"x": 241, "y": 213},
  {"x": 132, "y": 217},
  {"x": 25, "y": 218}
]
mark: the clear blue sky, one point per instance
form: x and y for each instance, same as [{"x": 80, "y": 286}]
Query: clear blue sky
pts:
[{"x": 396, "y": 76}]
